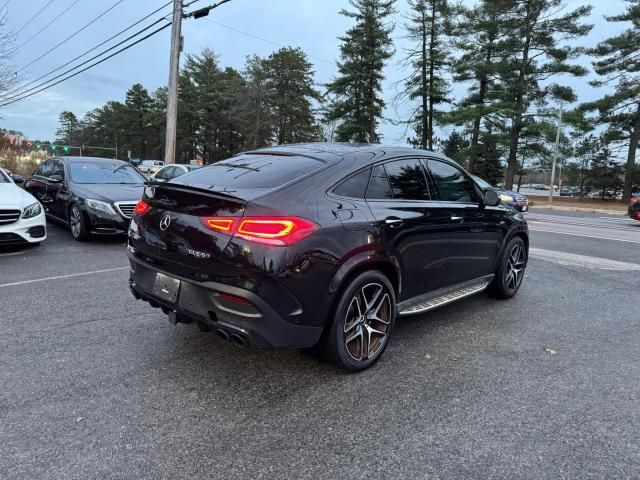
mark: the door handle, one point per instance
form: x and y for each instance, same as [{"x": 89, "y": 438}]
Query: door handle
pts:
[
  {"x": 393, "y": 222},
  {"x": 455, "y": 219}
]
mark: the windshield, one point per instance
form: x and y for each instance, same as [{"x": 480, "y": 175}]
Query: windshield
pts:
[
  {"x": 484, "y": 185},
  {"x": 4, "y": 178},
  {"x": 103, "y": 172}
]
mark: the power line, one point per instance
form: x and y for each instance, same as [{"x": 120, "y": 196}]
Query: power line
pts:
[
  {"x": 91, "y": 50},
  {"x": 71, "y": 36},
  {"x": 45, "y": 27},
  {"x": 5, "y": 4},
  {"x": 323, "y": 60},
  {"x": 34, "y": 16},
  {"x": 10, "y": 97},
  {"x": 88, "y": 67}
]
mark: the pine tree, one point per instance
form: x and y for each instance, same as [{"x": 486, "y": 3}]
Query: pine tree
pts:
[
  {"x": 290, "y": 80},
  {"x": 483, "y": 38},
  {"x": 536, "y": 36},
  {"x": 618, "y": 63},
  {"x": 137, "y": 130},
  {"x": 256, "y": 107},
  {"x": 364, "y": 51},
  {"x": 454, "y": 146},
  {"x": 68, "y": 131},
  {"x": 428, "y": 59}
]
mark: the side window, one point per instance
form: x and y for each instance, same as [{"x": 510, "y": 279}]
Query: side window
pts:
[
  {"x": 163, "y": 174},
  {"x": 354, "y": 186},
  {"x": 177, "y": 172},
  {"x": 57, "y": 169},
  {"x": 407, "y": 179},
  {"x": 379, "y": 187},
  {"x": 453, "y": 185}
]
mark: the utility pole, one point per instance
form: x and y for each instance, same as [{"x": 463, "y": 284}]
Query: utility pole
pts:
[
  {"x": 172, "y": 97},
  {"x": 555, "y": 156}
]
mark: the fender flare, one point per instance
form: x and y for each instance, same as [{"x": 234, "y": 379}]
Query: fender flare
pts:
[{"x": 362, "y": 260}]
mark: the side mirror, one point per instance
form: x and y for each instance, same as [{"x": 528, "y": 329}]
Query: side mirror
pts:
[
  {"x": 56, "y": 179},
  {"x": 18, "y": 179},
  {"x": 491, "y": 198}
]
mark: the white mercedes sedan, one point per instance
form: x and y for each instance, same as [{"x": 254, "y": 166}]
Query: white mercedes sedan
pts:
[{"x": 22, "y": 219}]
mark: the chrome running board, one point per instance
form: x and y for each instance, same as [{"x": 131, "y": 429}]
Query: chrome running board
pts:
[{"x": 444, "y": 299}]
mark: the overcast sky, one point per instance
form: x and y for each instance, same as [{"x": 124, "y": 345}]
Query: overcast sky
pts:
[{"x": 313, "y": 25}]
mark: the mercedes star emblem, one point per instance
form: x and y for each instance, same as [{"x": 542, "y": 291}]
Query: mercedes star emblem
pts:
[{"x": 165, "y": 222}]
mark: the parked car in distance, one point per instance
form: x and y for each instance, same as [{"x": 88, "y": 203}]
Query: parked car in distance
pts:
[
  {"x": 22, "y": 219},
  {"x": 150, "y": 167},
  {"x": 634, "y": 206},
  {"x": 92, "y": 196},
  {"x": 169, "y": 172},
  {"x": 514, "y": 199},
  {"x": 321, "y": 245}
]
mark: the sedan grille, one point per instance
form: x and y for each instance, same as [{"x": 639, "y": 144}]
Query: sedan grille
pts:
[
  {"x": 522, "y": 200},
  {"x": 9, "y": 216},
  {"x": 126, "y": 208}
]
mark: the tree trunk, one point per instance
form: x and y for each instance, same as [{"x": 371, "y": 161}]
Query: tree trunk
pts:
[
  {"x": 631, "y": 158},
  {"x": 431, "y": 74},
  {"x": 425, "y": 107},
  {"x": 482, "y": 93},
  {"x": 519, "y": 106}
]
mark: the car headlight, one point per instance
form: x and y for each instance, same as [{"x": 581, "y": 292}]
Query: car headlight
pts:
[
  {"x": 99, "y": 206},
  {"x": 32, "y": 210},
  {"x": 507, "y": 198}
]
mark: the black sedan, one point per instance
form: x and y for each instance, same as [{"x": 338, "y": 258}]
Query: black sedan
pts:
[
  {"x": 321, "y": 245},
  {"x": 634, "y": 206},
  {"x": 93, "y": 196}
]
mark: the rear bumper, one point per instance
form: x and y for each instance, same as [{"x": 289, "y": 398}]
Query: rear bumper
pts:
[{"x": 255, "y": 321}]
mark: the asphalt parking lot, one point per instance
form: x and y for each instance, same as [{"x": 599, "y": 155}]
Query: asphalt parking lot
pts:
[{"x": 98, "y": 385}]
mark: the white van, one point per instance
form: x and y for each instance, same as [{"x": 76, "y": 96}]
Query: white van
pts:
[{"x": 150, "y": 166}]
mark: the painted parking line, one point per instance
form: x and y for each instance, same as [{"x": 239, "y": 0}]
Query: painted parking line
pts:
[
  {"x": 583, "y": 235},
  {"x": 61, "y": 277},
  {"x": 585, "y": 261}
]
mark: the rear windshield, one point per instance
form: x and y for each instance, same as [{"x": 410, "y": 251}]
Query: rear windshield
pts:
[{"x": 252, "y": 171}]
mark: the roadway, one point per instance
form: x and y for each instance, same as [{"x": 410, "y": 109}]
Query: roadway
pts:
[{"x": 97, "y": 385}]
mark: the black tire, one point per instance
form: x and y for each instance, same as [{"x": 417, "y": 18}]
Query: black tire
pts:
[
  {"x": 511, "y": 271},
  {"x": 366, "y": 314},
  {"x": 78, "y": 224}
]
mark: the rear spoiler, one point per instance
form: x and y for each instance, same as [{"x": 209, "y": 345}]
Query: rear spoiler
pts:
[{"x": 192, "y": 188}]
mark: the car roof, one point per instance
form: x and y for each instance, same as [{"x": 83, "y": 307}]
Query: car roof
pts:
[
  {"x": 330, "y": 152},
  {"x": 89, "y": 159}
]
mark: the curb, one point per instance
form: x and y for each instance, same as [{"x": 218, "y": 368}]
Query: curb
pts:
[{"x": 579, "y": 209}]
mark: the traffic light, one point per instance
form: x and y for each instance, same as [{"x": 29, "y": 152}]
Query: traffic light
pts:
[
  {"x": 66, "y": 149},
  {"x": 53, "y": 147}
]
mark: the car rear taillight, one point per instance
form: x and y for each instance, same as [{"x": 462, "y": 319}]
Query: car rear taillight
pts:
[
  {"x": 276, "y": 231},
  {"x": 142, "y": 207},
  {"x": 633, "y": 200}
]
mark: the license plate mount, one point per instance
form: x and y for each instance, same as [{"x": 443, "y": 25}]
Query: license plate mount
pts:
[{"x": 166, "y": 287}]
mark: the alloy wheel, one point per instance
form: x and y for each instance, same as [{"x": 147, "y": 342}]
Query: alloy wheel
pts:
[
  {"x": 516, "y": 263},
  {"x": 75, "y": 221},
  {"x": 367, "y": 321}
]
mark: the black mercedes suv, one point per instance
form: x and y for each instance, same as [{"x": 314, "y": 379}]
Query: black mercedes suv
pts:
[{"x": 321, "y": 245}]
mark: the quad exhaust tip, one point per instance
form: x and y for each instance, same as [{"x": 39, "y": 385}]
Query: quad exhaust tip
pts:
[{"x": 236, "y": 339}]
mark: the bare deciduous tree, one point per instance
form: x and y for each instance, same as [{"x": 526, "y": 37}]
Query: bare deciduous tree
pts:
[{"x": 8, "y": 77}]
